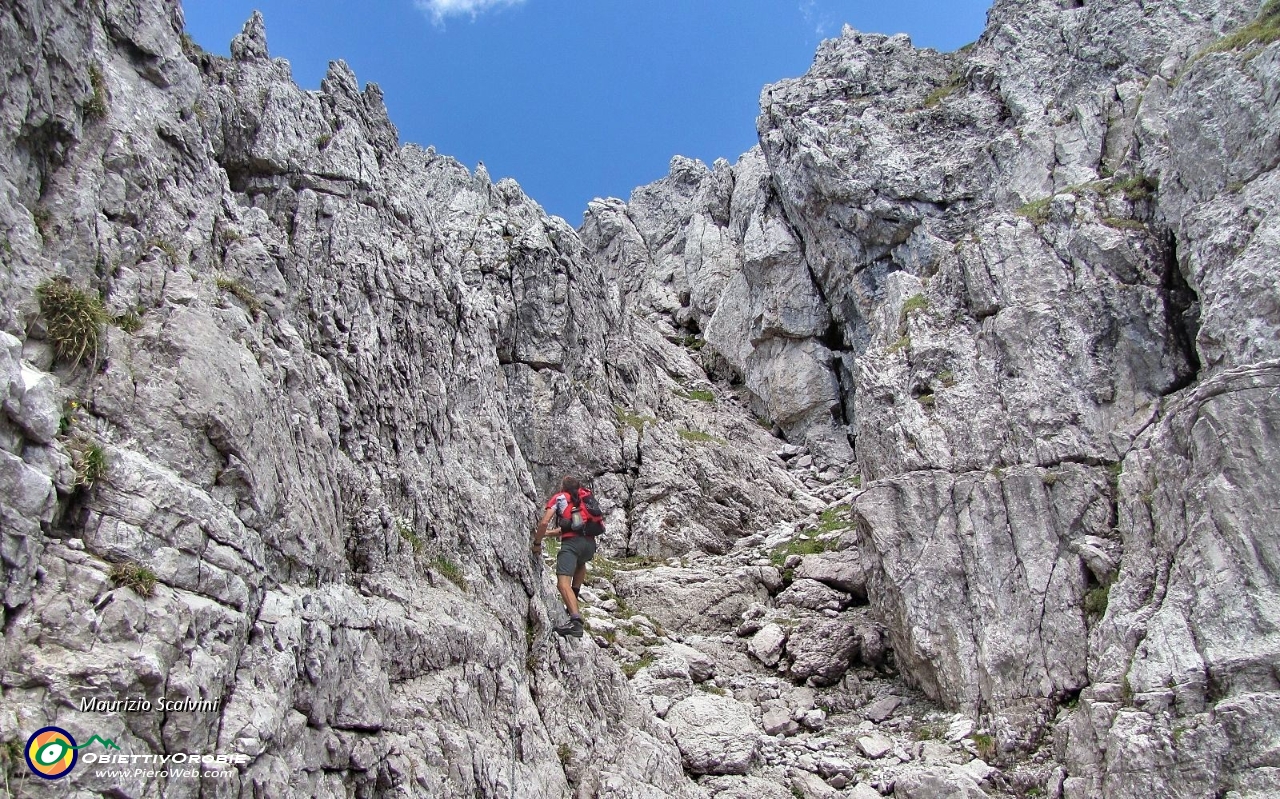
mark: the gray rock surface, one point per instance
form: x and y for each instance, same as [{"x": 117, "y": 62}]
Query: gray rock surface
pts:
[
  {"x": 766, "y": 645},
  {"x": 1013, "y": 309},
  {"x": 326, "y": 437},
  {"x": 715, "y": 734},
  {"x": 937, "y": 784}
]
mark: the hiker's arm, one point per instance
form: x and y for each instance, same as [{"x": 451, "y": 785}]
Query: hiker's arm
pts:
[{"x": 541, "y": 532}]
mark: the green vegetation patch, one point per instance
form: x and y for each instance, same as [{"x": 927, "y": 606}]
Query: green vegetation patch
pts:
[
  {"x": 1123, "y": 224},
  {"x": 609, "y": 567},
  {"x": 89, "y": 461},
  {"x": 1135, "y": 188},
  {"x": 633, "y": 668},
  {"x": 1264, "y": 30},
  {"x": 1095, "y": 601},
  {"x": 834, "y": 518},
  {"x": 406, "y": 532},
  {"x": 134, "y": 576},
  {"x": 930, "y": 732},
  {"x": 903, "y": 343},
  {"x": 11, "y": 754},
  {"x": 699, "y": 437},
  {"x": 189, "y": 47},
  {"x": 916, "y": 302},
  {"x": 635, "y": 421},
  {"x": 96, "y": 108},
  {"x": 73, "y": 317},
  {"x": 1036, "y": 211},
  {"x": 699, "y": 394},
  {"x": 450, "y": 571},
  {"x": 689, "y": 340},
  {"x": 985, "y": 745},
  {"x": 130, "y": 321},
  {"x": 241, "y": 292},
  {"x": 954, "y": 84},
  {"x": 800, "y": 546}
]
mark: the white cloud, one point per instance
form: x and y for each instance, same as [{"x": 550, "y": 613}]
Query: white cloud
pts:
[
  {"x": 814, "y": 16},
  {"x": 439, "y": 9}
]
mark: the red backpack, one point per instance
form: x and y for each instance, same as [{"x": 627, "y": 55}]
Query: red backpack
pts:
[{"x": 582, "y": 514}]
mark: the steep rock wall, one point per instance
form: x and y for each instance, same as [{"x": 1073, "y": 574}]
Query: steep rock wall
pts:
[
  {"x": 1046, "y": 259},
  {"x": 1025, "y": 290},
  {"x": 340, "y": 376}
]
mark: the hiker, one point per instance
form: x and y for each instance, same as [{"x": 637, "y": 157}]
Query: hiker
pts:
[{"x": 579, "y": 521}]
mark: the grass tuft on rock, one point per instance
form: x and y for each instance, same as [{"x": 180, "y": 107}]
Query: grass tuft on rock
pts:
[
  {"x": 241, "y": 292},
  {"x": 985, "y": 746},
  {"x": 633, "y": 420},
  {"x": 450, "y": 571},
  {"x": 802, "y": 547},
  {"x": 633, "y": 668},
  {"x": 1135, "y": 188},
  {"x": 138, "y": 578},
  {"x": 89, "y": 461},
  {"x": 130, "y": 321},
  {"x": 698, "y": 437},
  {"x": 699, "y": 394},
  {"x": 1036, "y": 211},
  {"x": 73, "y": 317},
  {"x": 1095, "y": 601},
  {"x": 96, "y": 107},
  {"x": 406, "y": 532},
  {"x": 954, "y": 84},
  {"x": 916, "y": 302},
  {"x": 1264, "y": 30}
]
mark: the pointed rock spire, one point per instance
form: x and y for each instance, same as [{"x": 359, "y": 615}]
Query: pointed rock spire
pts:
[{"x": 251, "y": 43}]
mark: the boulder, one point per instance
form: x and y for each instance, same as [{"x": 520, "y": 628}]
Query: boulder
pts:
[
  {"x": 875, "y": 745},
  {"x": 766, "y": 645},
  {"x": 821, "y": 649},
  {"x": 778, "y": 721},
  {"x": 841, "y": 570},
  {"x": 881, "y": 709},
  {"x": 715, "y": 734},
  {"x": 812, "y": 595},
  {"x": 936, "y": 783}
]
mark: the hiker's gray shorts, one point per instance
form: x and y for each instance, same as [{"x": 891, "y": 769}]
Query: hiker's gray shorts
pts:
[{"x": 574, "y": 552}]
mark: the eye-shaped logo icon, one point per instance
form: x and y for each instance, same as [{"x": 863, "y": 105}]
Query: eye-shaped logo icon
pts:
[{"x": 51, "y": 753}]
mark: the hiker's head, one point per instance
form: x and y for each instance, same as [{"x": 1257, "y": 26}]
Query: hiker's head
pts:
[{"x": 570, "y": 484}]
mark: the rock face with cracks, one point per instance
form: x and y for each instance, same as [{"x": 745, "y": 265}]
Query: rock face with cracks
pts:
[
  {"x": 1014, "y": 310},
  {"x": 297, "y": 476}
]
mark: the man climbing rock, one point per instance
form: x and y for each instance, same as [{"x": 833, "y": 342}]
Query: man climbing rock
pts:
[{"x": 578, "y": 522}]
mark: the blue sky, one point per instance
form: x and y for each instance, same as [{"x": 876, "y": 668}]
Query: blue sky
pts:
[{"x": 575, "y": 99}]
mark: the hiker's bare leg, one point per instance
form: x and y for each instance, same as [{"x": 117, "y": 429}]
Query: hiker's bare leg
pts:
[
  {"x": 579, "y": 576},
  {"x": 565, "y": 583}
]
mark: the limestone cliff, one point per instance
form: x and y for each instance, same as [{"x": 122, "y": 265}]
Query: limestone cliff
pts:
[
  {"x": 1014, "y": 308},
  {"x": 339, "y": 375},
  {"x": 1035, "y": 282}
]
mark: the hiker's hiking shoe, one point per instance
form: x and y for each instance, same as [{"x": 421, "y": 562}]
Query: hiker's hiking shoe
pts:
[{"x": 571, "y": 629}]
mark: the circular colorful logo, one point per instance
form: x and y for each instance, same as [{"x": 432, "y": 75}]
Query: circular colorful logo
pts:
[{"x": 51, "y": 753}]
